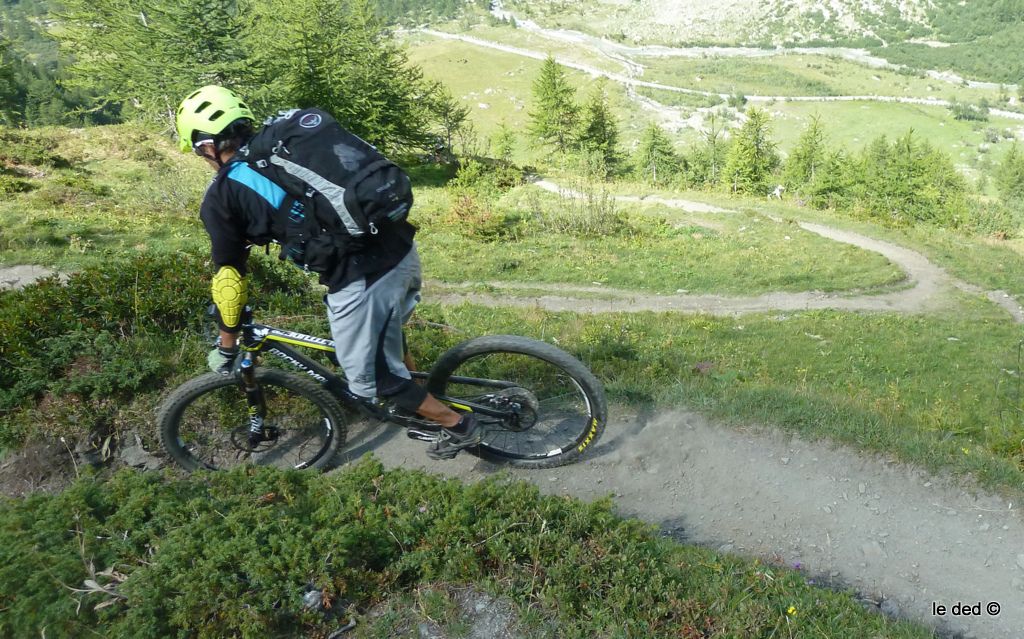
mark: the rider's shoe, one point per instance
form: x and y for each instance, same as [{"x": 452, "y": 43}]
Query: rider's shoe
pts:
[{"x": 466, "y": 434}]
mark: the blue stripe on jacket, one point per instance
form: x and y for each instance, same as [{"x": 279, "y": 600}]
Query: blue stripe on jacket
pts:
[{"x": 245, "y": 174}]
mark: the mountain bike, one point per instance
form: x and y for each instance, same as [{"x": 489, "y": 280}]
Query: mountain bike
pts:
[{"x": 538, "y": 406}]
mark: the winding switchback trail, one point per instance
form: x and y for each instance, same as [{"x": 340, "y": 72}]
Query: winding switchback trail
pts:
[
  {"x": 624, "y": 52},
  {"x": 632, "y": 81},
  {"x": 929, "y": 289},
  {"x": 901, "y": 538},
  {"x": 907, "y": 541}
]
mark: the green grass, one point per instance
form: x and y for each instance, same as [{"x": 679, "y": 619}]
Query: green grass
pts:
[
  {"x": 798, "y": 74},
  {"x": 472, "y": 70},
  {"x": 931, "y": 390},
  {"x": 744, "y": 254},
  {"x": 855, "y": 124},
  {"x": 986, "y": 262},
  {"x": 939, "y": 390},
  {"x": 533, "y": 41},
  {"x": 125, "y": 191}
]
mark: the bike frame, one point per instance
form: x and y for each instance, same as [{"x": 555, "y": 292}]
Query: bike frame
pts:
[{"x": 260, "y": 338}]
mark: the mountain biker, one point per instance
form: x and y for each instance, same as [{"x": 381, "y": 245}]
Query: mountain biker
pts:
[{"x": 372, "y": 287}]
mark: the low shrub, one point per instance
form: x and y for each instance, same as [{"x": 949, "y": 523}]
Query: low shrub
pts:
[
  {"x": 20, "y": 147},
  {"x": 70, "y": 188},
  {"x": 475, "y": 217},
  {"x": 473, "y": 192},
  {"x": 10, "y": 184},
  {"x": 994, "y": 219},
  {"x": 233, "y": 554},
  {"x": 112, "y": 331}
]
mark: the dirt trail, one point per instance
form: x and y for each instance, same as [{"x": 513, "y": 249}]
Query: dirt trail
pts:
[
  {"x": 929, "y": 291},
  {"x": 21, "y": 275},
  {"x": 901, "y": 538}
]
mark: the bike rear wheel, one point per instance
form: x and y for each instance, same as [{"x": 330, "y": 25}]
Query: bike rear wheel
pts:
[
  {"x": 204, "y": 423},
  {"x": 556, "y": 406}
]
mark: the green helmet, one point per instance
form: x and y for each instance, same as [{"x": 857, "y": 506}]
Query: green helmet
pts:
[{"x": 209, "y": 110}]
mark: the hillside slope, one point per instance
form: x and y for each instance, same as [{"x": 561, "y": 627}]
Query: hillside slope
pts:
[
  {"x": 723, "y": 21},
  {"x": 968, "y": 39}
]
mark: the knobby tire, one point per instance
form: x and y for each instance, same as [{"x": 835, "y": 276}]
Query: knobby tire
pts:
[
  {"x": 541, "y": 366},
  {"x": 172, "y": 411}
]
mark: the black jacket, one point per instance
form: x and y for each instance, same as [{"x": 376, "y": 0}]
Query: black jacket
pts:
[{"x": 242, "y": 208}]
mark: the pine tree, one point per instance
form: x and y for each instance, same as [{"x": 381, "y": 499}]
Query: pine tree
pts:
[
  {"x": 1010, "y": 175},
  {"x": 599, "y": 134},
  {"x": 8, "y": 90},
  {"x": 801, "y": 168},
  {"x": 149, "y": 54},
  {"x": 555, "y": 115},
  {"x": 909, "y": 180},
  {"x": 449, "y": 113},
  {"x": 504, "y": 142},
  {"x": 705, "y": 164},
  {"x": 655, "y": 159},
  {"x": 834, "y": 183},
  {"x": 753, "y": 158},
  {"x": 336, "y": 55}
]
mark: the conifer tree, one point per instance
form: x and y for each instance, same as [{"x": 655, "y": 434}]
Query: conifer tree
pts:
[
  {"x": 147, "y": 54},
  {"x": 805, "y": 162},
  {"x": 753, "y": 158},
  {"x": 1010, "y": 175},
  {"x": 504, "y": 142},
  {"x": 655, "y": 159},
  {"x": 336, "y": 55},
  {"x": 449, "y": 113},
  {"x": 555, "y": 114},
  {"x": 909, "y": 180},
  {"x": 599, "y": 133},
  {"x": 707, "y": 159},
  {"x": 333, "y": 54},
  {"x": 8, "y": 90},
  {"x": 834, "y": 182}
]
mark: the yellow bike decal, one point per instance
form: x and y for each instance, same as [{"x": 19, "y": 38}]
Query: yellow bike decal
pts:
[
  {"x": 296, "y": 342},
  {"x": 590, "y": 435}
]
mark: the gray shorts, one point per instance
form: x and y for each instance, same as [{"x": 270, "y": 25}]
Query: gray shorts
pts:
[{"x": 366, "y": 323}]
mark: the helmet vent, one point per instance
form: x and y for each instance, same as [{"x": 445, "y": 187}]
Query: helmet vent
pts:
[
  {"x": 202, "y": 106},
  {"x": 216, "y": 114}
]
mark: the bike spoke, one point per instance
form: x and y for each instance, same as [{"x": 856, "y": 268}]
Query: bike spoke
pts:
[
  {"x": 214, "y": 429},
  {"x": 554, "y": 412}
]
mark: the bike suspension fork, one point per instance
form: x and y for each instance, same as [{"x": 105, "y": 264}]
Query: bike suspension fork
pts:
[{"x": 254, "y": 398}]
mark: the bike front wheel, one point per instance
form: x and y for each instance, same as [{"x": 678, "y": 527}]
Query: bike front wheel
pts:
[
  {"x": 204, "y": 423},
  {"x": 553, "y": 407}
]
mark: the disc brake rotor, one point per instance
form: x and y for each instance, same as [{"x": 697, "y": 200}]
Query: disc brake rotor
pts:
[
  {"x": 240, "y": 440},
  {"x": 522, "y": 405}
]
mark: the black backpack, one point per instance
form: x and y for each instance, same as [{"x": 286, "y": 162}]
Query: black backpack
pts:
[{"x": 343, "y": 191}]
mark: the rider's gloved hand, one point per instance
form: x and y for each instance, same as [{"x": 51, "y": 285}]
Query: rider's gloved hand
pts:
[{"x": 221, "y": 359}]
